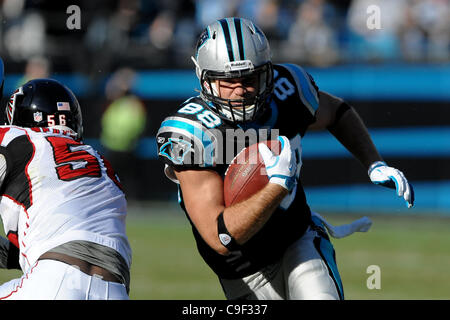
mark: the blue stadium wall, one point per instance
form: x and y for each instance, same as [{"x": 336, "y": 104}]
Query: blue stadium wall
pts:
[{"x": 406, "y": 108}]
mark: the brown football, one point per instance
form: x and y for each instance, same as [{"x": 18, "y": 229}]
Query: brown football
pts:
[{"x": 246, "y": 174}]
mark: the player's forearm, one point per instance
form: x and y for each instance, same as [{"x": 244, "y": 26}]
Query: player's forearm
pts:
[
  {"x": 351, "y": 132},
  {"x": 245, "y": 219}
]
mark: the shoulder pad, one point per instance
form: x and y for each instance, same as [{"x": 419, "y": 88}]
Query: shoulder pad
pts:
[
  {"x": 307, "y": 89},
  {"x": 185, "y": 142},
  {"x": 9, "y": 133}
]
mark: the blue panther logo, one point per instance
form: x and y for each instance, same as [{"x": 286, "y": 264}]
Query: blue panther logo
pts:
[
  {"x": 204, "y": 36},
  {"x": 175, "y": 150}
]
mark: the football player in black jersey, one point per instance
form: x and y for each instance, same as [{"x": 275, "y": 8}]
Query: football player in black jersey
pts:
[{"x": 271, "y": 246}]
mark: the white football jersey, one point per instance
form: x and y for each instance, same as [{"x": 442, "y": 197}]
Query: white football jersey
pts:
[{"x": 55, "y": 190}]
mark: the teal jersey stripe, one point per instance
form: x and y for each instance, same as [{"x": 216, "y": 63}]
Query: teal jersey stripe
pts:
[
  {"x": 327, "y": 252},
  {"x": 305, "y": 83},
  {"x": 189, "y": 129}
]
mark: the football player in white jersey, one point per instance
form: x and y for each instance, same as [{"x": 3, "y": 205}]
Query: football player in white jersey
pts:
[
  {"x": 270, "y": 246},
  {"x": 62, "y": 206}
]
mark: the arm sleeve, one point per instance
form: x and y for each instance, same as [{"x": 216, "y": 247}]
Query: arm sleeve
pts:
[
  {"x": 2, "y": 168},
  {"x": 4, "y": 249},
  {"x": 350, "y": 130},
  {"x": 338, "y": 105},
  {"x": 9, "y": 255}
]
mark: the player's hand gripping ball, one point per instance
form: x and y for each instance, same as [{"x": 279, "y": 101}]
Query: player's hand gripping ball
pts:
[{"x": 247, "y": 174}]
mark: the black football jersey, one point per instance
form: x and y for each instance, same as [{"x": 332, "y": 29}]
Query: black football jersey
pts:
[{"x": 195, "y": 137}]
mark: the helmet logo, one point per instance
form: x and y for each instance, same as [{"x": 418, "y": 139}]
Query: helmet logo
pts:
[
  {"x": 202, "y": 39},
  {"x": 238, "y": 65},
  {"x": 12, "y": 104},
  {"x": 37, "y": 116}
]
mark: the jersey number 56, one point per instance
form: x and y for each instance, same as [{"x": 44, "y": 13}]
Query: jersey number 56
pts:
[{"x": 74, "y": 162}]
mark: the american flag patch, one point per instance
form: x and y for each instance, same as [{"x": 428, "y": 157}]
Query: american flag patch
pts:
[{"x": 63, "y": 106}]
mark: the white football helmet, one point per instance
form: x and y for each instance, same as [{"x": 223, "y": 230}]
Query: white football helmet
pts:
[{"x": 233, "y": 48}]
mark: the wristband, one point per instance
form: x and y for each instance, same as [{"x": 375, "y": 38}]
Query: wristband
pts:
[{"x": 224, "y": 235}]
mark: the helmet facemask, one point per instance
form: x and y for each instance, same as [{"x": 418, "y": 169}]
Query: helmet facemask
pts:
[
  {"x": 238, "y": 110},
  {"x": 234, "y": 50}
]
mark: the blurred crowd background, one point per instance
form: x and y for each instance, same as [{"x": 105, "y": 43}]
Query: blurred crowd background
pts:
[
  {"x": 162, "y": 33},
  {"x": 129, "y": 64}
]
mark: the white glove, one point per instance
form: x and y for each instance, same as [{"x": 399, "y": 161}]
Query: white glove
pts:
[
  {"x": 381, "y": 174},
  {"x": 280, "y": 169}
]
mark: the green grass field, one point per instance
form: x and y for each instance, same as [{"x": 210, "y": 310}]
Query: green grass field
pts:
[{"x": 411, "y": 251}]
